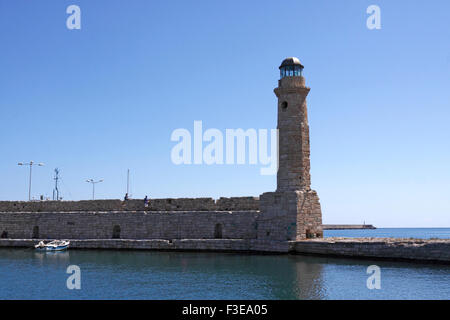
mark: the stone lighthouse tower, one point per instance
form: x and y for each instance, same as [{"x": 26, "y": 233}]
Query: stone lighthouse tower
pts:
[{"x": 292, "y": 212}]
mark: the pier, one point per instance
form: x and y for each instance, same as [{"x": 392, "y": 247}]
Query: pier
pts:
[{"x": 418, "y": 250}]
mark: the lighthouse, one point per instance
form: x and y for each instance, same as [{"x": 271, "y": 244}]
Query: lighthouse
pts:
[
  {"x": 293, "y": 129},
  {"x": 293, "y": 211}
]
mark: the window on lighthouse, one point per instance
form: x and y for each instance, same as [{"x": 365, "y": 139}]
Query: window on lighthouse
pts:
[{"x": 290, "y": 71}]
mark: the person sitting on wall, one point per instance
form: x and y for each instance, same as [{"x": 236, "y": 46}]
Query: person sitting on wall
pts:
[
  {"x": 146, "y": 202},
  {"x": 126, "y": 197}
]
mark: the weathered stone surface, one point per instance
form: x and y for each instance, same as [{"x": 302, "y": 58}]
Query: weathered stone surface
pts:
[
  {"x": 370, "y": 248},
  {"x": 237, "y": 204},
  {"x": 292, "y": 212},
  {"x": 390, "y": 248},
  {"x": 290, "y": 215},
  {"x": 293, "y": 129},
  {"x": 130, "y": 225},
  {"x": 247, "y": 245},
  {"x": 180, "y": 204}
]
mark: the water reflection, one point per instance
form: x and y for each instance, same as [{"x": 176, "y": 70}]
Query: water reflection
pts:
[
  {"x": 28, "y": 274},
  {"x": 308, "y": 283},
  {"x": 52, "y": 255}
]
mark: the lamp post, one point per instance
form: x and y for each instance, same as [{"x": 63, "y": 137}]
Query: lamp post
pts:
[
  {"x": 93, "y": 186},
  {"x": 31, "y": 163}
]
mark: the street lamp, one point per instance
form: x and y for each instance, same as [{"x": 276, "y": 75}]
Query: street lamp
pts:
[
  {"x": 93, "y": 186},
  {"x": 31, "y": 163}
]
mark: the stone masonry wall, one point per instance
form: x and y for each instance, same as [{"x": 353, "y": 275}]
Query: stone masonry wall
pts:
[
  {"x": 408, "y": 249},
  {"x": 129, "y": 225},
  {"x": 182, "y": 204},
  {"x": 385, "y": 248},
  {"x": 294, "y": 149},
  {"x": 292, "y": 215},
  {"x": 309, "y": 217}
]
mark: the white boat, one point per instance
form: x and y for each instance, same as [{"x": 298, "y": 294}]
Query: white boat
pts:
[{"x": 55, "y": 245}]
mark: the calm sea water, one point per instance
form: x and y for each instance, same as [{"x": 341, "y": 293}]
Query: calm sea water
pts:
[
  {"x": 108, "y": 274},
  {"x": 420, "y": 233}
]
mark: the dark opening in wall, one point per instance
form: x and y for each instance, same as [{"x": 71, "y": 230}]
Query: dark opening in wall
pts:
[
  {"x": 116, "y": 232},
  {"x": 309, "y": 234},
  {"x": 284, "y": 106},
  {"x": 35, "y": 232},
  {"x": 276, "y": 200},
  {"x": 4, "y": 234},
  {"x": 218, "y": 231}
]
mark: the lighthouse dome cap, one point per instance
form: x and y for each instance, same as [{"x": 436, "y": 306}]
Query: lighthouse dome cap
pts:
[{"x": 291, "y": 61}]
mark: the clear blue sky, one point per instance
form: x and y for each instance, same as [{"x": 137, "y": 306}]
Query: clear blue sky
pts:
[{"x": 96, "y": 101}]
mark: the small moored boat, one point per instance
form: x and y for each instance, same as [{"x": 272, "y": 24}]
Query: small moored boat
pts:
[{"x": 55, "y": 245}]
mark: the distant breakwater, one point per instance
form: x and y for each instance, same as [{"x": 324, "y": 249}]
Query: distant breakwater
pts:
[{"x": 347, "y": 226}]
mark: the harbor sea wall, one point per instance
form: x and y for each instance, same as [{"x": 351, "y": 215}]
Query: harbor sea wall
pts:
[
  {"x": 385, "y": 248},
  {"x": 129, "y": 225},
  {"x": 204, "y": 224},
  {"x": 229, "y": 245},
  {"x": 437, "y": 251}
]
